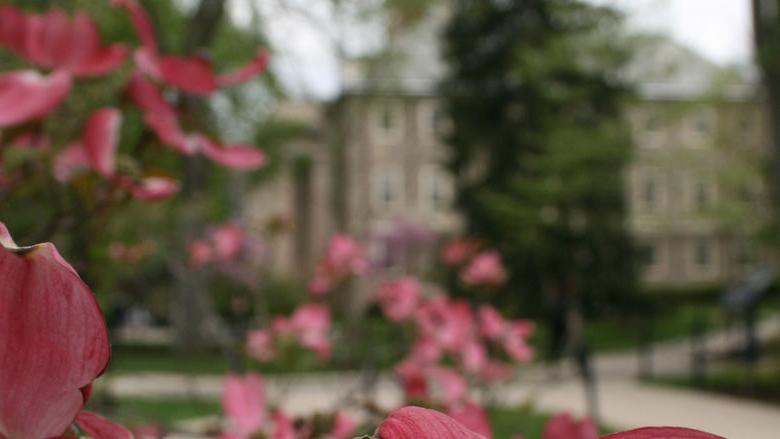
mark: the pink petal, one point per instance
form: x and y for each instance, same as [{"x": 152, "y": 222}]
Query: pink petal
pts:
[
  {"x": 419, "y": 423},
  {"x": 343, "y": 426},
  {"x": 238, "y": 157},
  {"x": 101, "y": 138},
  {"x": 141, "y": 22},
  {"x": 663, "y": 433},
  {"x": 563, "y": 426},
  {"x": 150, "y": 188},
  {"x": 452, "y": 385},
  {"x": 228, "y": 240},
  {"x": 98, "y": 427},
  {"x": 399, "y": 298},
  {"x": 200, "y": 252},
  {"x": 245, "y": 73},
  {"x": 486, "y": 269},
  {"x": 103, "y": 60},
  {"x": 473, "y": 417},
  {"x": 283, "y": 426},
  {"x": 147, "y": 96},
  {"x": 53, "y": 342},
  {"x": 26, "y": 95},
  {"x": 147, "y": 62},
  {"x": 244, "y": 403},
  {"x": 260, "y": 345},
  {"x": 13, "y": 29},
  {"x": 170, "y": 134},
  {"x": 5, "y": 237},
  {"x": 491, "y": 324},
  {"x": 69, "y": 162},
  {"x": 189, "y": 74}
]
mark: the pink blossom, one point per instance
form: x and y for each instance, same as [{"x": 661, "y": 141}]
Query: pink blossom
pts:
[
  {"x": 473, "y": 417},
  {"x": 515, "y": 340},
  {"x": 228, "y": 240},
  {"x": 451, "y": 384},
  {"x": 473, "y": 356},
  {"x": 414, "y": 381},
  {"x": 458, "y": 251},
  {"x": 260, "y": 345},
  {"x": 311, "y": 323},
  {"x": 163, "y": 119},
  {"x": 191, "y": 74},
  {"x": 244, "y": 404},
  {"x": 399, "y": 298},
  {"x": 101, "y": 138},
  {"x": 419, "y": 423},
  {"x": 491, "y": 323},
  {"x": 283, "y": 426},
  {"x": 343, "y": 259},
  {"x": 200, "y": 252},
  {"x": 563, "y": 426},
  {"x": 53, "y": 329},
  {"x": 26, "y": 95},
  {"x": 662, "y": 432},
  {"x": 54, "y": 40},
  {"x": 69, "y": 162},
  {"x": 485, "y": 269},
  {"x": 343, "y": 426},
  {"x": 149, "y": 188}
]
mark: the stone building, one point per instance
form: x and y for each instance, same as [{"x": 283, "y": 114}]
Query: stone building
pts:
[{"x": 695, "y": 187}]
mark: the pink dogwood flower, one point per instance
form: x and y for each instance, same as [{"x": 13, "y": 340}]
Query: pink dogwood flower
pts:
[
  {"x": 26, "y": 95},
  {"x": 191, "y": 74},
  {"x": 473, "y": 417},
  {"x": 399, "y": 298},
  {"x": 53, "y": 342},
  {"x": 663, "y": 432},
  {"x": 311, "y": 323},
  {"x": 162, "y": 118},
  {"x": 563, "y": 426},
  {"x": 260, "y": 345},
  {"x": 485, "y": 269},
  {"x": 343, "y": 259},
  {"x": 56, "y": 41},
  {"x": 243, "y": 401},
  {"x": 343, "y": 426},
  {"x": 458, "y": 251},
  {"x": 419, "y": 423}
]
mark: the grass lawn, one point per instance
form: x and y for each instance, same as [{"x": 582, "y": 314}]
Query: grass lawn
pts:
[{"x": 506, "y": 422}]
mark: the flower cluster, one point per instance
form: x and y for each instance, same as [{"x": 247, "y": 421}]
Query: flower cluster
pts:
[
  {"x": 70, "y": 48},
  {"x": 477, "y": 267},
  {"x": 344, "y": 258}
]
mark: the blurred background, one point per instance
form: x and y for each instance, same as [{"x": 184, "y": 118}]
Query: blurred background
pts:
[{"x": 622, "y": 156}]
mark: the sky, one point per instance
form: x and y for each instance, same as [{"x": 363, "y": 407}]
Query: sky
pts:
[{"x": 720, "y": 30}]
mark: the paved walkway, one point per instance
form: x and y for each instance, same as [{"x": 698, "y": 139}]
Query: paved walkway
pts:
[{"x": 623, "y": 401}]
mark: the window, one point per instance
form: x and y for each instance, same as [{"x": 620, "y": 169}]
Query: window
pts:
[
  {"x": 649, "y": 193},
  {"x": 702, "y": 253},
  {"x": 703, "y": 193},
  {"x": 388, "y": 188},
  {"x": 388, "y": 121},
  {"x": 435, "y": 188},
  {"x": 648, "y": 255}
]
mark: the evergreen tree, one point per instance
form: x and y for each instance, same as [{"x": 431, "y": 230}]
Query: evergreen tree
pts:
[{"x": 539, "y": 145}]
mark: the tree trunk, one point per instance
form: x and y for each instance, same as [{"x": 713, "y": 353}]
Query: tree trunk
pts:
[{"x": 196, "y": 325}]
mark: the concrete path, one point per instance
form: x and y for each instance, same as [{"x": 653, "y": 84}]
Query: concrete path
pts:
[{"x": 624, "y": 402}]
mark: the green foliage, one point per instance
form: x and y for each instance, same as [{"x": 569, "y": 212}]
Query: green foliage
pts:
[{"x": 539, "y": 144}]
